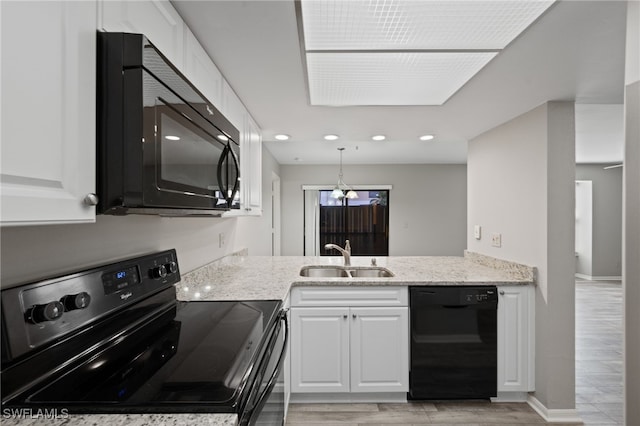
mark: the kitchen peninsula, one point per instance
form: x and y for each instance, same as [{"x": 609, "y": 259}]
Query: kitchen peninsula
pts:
[{"x": 265, "y": 277}]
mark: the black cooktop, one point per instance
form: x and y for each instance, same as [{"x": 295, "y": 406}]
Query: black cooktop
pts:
[{"x": 195, "y": 356}]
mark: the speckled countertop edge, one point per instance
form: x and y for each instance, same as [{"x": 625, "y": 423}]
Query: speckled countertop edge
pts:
[
  {"x": 34, "y": 418},
  {"x": 271, "y": 278}
]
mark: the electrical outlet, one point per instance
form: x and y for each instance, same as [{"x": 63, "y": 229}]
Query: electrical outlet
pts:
[
  {"x": 496, "y": 240},
  {"x": 477, "y": 232},
  {"x": 221, "y": 240}
]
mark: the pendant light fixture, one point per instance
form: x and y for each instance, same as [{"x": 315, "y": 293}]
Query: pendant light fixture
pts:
[{"x": 341, "y": 187}]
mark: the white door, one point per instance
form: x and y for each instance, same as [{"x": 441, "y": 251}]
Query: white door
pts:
[
  {"x": 275, "y": 215},
  {"x": 319, "y": 350},
  {"x": 379, "y": 349},
  {"x": 584, "y": 228}
]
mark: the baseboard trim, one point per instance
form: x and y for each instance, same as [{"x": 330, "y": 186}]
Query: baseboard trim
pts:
[
  {"x": 347, "y": 397},
  {"x": 511, "y": 397},
  {"x": 554, "y": 415},
  {"x": 596, "y": 278}
]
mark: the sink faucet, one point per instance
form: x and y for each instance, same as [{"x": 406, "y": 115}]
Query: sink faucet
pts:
[{"x": 346, "y": 251}]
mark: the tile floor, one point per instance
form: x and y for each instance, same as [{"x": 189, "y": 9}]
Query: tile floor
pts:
[{"x": 598, "y": 381}]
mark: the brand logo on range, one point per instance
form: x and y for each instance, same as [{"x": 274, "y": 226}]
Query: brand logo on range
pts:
[{"x": 125, "y": 296}]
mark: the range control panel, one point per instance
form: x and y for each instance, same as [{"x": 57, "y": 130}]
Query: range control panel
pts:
[{"x": 37, "y": 313}]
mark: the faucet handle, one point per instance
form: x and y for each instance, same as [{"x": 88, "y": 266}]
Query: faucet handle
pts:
[
  {"x": 347, "y": 247},
  {"x": 374, "y": 262}
]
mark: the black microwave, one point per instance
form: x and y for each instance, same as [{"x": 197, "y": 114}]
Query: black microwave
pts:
[{"x": 162, "y": 147}]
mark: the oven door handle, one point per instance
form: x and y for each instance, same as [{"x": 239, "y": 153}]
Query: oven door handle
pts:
[{"x": 274, "y": 376}]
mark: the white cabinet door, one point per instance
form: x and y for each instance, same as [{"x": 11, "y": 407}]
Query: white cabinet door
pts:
[
  {"x": 48, "y": 111},
  {"x": 156, "y": 19},
  {"x": 379, "y": 349},
  {"x": 200, "y": 69},
  {"x": 515, "y": 339},
  {"x": 232, "y": 107},
  {"x": 319, "y": 350},
  {"x": 251, "y": 163}
]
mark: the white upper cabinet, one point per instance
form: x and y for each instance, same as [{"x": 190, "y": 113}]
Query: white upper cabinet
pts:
[
  {"x": 251, "y": 165},
  {"x": 48, "y": 111},
  {"x": 156, "y": 19},
  {"x": 232, "y": 107},
  {"x": 201, "y": 70}
]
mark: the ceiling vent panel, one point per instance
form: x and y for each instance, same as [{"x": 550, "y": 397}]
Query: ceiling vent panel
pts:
[
  {"x": 406, "y": 25},
  {"x": 341, "y": 79},
  {"x": 404, "y": 52}
]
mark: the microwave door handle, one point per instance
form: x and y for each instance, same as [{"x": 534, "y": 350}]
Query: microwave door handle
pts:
[
  {"x": 222, "y": 183},
  {"x": 274, "y": 376},
  {"x": 236, "y": 184}
]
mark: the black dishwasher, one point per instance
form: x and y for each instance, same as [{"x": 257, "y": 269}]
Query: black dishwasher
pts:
[{"x": 453, "y": 342}]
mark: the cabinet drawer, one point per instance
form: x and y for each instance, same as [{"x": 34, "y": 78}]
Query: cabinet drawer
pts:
[{"x": 349, "y": 296}]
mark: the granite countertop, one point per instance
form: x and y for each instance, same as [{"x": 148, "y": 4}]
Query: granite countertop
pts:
[
  {"x": 271, "y": 278},
  {"x": 34, "y": 418}
]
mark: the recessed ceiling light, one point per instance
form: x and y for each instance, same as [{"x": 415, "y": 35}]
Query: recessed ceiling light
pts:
[
  {"x": 281, "y": 137},
  {"x": 378, "y": 137},
  {"x": 331, "y": 137},
  {"x": 222, "y": 138},
  {"x": 426, "y": 137},
  {"x": 172, "y": 138}
]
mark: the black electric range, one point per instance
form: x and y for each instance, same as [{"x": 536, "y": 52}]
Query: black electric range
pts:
[{"x": 114, "y": 339}]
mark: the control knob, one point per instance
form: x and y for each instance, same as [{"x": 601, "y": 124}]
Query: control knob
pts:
[
  {"x": 76, "y": 301},
  {"x": 47, "y": 312},
  {"x": 171, "y": 267},
  {"x": 159, "y": 272}
]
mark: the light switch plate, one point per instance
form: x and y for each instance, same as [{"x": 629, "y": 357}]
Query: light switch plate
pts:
[
  {"x": 496, "y": 240},
  {"x": 477, "y": 232}
]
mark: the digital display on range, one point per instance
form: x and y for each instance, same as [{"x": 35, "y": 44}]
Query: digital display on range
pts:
[{"x": 120, "y": 279}]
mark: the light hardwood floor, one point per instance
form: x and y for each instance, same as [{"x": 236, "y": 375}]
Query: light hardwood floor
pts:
[
  {"x": 469, "y": 413},
  {"x": 598, "y": 381},
  {"x": 599, "y": 394}
]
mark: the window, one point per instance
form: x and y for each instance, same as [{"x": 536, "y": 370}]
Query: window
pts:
[{"x": 364, "y": 221}]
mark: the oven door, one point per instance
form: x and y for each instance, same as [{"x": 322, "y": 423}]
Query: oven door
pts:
[{"x": 266, "y": 402}]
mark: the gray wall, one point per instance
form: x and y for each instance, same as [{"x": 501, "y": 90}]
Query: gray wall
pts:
[
  {"x": 631, "y": 223},
  {"x": 607, "y": 218},
  {"x": 427, "y": 213},
  {"x": 36, "y": 252},
  {"x": 521, "y": 184}
]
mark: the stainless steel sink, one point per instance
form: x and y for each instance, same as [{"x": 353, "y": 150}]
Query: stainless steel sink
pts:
[
  {"x": 324, "y": 272},
  {"x": 371, "y": 272},
  {"x": 320, "y": 271}
]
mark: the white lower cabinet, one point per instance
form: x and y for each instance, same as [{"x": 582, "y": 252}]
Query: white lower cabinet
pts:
[
  {"x": 320, "y": 350},
  {"x": 515, "y": 339},
  {"x": 379, "y": 349},
  {"x": 349, "y": 348}
]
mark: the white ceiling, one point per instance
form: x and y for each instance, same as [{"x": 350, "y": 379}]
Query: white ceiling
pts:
[{"x": 575, "y": 51}]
